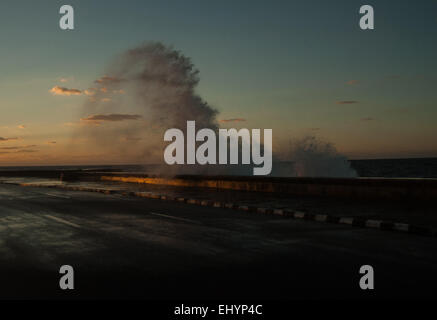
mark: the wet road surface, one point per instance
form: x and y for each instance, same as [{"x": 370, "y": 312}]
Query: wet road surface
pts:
[{"x": 129, "y": 247}]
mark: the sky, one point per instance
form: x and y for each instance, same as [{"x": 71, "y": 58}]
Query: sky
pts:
[{"x": 297, "y": 67}]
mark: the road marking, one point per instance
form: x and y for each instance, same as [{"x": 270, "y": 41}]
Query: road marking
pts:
[
  {"x": 57, "y": 196},
  {"x": 62, "y": 221},
  {"x": 173, "y": 217}
]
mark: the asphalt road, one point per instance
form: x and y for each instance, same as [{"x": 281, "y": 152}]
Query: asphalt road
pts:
[{"x": 127, "y": 247}]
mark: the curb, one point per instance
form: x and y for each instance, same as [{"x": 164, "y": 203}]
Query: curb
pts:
[{"x": 286, "y": 212}]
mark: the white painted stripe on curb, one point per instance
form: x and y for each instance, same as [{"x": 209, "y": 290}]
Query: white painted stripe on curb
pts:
[
  {"x": 299, "y": 214},
  {"x": 279, "y": 212},
  {"x": 346, "y": 220},
  {"x": 401, "y": 227},
  {"x": 138, "y": 194},
  {"x": 373, "y": 224},
  {"x": 321, "y": 217},
  {"x": 404, "y": 227}
]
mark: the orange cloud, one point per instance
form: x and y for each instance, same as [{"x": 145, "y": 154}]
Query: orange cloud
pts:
[
  {"x": 61, "y": 91},
  {"x": 352, "y": 82},
  {"x": 112, "y": 117}
]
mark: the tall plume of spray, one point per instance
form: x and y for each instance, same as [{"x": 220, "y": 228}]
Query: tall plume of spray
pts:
[
  {"x": 154, "y": 83},
  {"x": 312, "y": 157},
  {"x": 150, "y": 89},
  {"x": 164, "y": 83}
]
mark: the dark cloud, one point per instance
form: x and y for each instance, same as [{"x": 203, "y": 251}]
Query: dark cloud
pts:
[
  {"x": 26, "y": 151},
  {"x": 112, "y": 117},
  {"x": 367, "y": 119},
  {"x": 233, "y": 120},
  {"x": 108, "y": 79},
  {"x": 18, "y": 147},
  {"x": 9, "y": 148},
  {"x": 7, "y": 139},
  {"x": 347, "y": 102}
]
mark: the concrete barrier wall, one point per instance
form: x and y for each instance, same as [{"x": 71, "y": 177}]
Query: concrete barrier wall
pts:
[
  {"x": 355, "y": 188},
  {"x": 381, "y": 188}
]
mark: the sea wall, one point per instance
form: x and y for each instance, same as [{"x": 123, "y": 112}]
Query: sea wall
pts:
[
  {"x": 375, "y": 188},
  {"x": 425, "y": 189}
]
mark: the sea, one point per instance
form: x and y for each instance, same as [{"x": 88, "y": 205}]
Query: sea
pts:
[{"x": 383, "y": 168}]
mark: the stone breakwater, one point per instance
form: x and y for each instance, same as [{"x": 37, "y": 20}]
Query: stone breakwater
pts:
[{"x": 415, "y": 189}]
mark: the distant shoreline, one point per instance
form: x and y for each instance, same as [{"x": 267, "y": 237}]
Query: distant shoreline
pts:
[
  {"x": 370, "y": 168},
  {"x": 156, "y": 164}
]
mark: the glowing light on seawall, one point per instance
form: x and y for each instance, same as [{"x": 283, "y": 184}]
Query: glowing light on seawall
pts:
[{"x": 343, "y": 187}]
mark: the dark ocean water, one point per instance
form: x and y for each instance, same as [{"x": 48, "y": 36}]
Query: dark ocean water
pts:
[
  {"x": 388, "y": 168},
  {"x": 397, "y": 168}
]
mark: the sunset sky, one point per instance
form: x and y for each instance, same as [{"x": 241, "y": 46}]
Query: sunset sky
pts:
[{"x": 297, "y": 67}]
